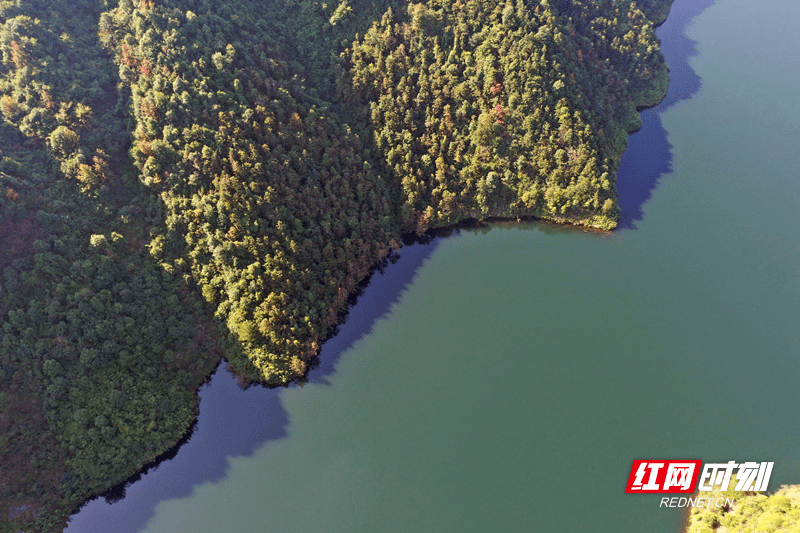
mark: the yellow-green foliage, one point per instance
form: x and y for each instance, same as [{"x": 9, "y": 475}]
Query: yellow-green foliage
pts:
[
  {"x": 163, "y": 161},
  {"x": 509, "y": 109},
  {"x": 750, "y": 513},
  {"x": 278, "y": 201}
]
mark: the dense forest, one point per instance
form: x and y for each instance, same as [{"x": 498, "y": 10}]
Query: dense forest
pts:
[{"x": 186, "y": 180}]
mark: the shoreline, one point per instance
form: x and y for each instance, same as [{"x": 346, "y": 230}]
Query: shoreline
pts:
[{"x": 117, "y": 491}]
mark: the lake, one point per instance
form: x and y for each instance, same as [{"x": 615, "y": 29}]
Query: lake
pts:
[{"x": 504, "y": 378}]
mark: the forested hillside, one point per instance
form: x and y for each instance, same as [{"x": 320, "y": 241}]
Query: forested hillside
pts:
[
  {"x": 101, "y": 348},
  {"x": 190, "y": 179},
  {"x": 490, "y": 109},
  {"x": 272, "y": 206}
]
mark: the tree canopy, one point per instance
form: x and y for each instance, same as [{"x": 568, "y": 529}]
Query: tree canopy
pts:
[{"x": 185, "y": 180}]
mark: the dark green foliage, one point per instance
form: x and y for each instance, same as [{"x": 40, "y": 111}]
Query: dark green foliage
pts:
[
  {"x": 101, "y": 350},
  {"x": 175, "y": 170}
]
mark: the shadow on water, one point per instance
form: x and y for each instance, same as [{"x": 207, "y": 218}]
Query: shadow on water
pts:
[
  {"x": 649, "y": 153},
  {"x": 235, "y": 423},
  {"x": 385, "y": 288}
]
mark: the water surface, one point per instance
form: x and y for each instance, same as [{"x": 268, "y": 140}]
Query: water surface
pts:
[{"x": 503, "y": 379}]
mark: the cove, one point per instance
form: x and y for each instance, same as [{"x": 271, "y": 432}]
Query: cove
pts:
[{"x": 504, "y": 378}]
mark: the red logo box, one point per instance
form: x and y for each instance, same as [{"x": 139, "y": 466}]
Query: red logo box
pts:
[{"x": 665, "y": 476}]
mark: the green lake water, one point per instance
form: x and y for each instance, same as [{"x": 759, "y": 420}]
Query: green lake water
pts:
[{"x": 512, "y": 381}]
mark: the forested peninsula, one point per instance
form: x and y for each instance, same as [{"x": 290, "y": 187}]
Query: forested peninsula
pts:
[{"x": 187, "y": 180}]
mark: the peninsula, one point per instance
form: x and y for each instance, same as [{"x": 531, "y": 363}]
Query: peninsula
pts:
[{"x": 190, "y": 180}]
